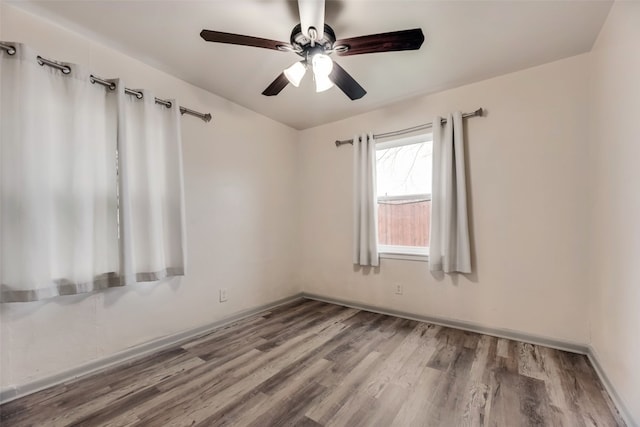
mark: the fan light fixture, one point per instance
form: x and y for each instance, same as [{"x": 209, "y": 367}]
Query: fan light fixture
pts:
[
  {"x": 295, "y": 73},
  {"x": 322, "y": 82},
  {"x": 322, "y": 66}
]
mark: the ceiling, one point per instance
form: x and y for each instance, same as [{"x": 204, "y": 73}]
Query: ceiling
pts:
[{"x": 465, "y": 41}]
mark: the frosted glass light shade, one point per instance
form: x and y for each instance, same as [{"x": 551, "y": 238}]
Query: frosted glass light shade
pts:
[
  {"x": 322, "y": 64},
  {"x": 322, "y": 83},
  {"x": 295, "y": 73}
]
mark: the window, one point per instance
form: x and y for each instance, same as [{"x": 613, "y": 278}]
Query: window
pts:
[{"x": 404, "y": 196}]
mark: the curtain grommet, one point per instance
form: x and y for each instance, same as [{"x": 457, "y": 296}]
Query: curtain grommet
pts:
[
  {"x": 42, "y": 62},
  {"x": 110, "y": 85}
]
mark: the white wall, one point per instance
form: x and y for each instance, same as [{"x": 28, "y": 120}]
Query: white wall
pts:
[
  {"x": 615, "y": 130},
  {"x": 527, "y": 169},
  {"x": 239, "y": 175}
]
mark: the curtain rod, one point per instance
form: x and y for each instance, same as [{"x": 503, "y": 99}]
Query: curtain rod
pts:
[
  {"x": 11, "y": 50},
  {"x": 478, "y": 112}
]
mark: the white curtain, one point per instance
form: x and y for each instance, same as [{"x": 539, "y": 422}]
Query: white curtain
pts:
[
  {"x": 365, "y": 207},
  {"x": 449, "y": 248},
  {"x": 151, "y": 199},
  {"x": 59, "y": 228}
]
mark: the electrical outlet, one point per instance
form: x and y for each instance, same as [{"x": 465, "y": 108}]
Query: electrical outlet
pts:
[
  {"x": 223, "y": 294},
  {"x": 398, "y": 288}
]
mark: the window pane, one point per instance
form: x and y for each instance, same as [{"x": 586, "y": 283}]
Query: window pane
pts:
[
  {"x": 404, "y": 170},
  {"x": 404, "y": 222}
]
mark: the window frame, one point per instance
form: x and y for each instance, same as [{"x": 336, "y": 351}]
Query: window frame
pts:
[{"x": 411, "y": 253}]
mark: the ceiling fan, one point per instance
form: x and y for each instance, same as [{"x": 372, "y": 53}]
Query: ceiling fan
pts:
[{"x": 314, "y": 41}]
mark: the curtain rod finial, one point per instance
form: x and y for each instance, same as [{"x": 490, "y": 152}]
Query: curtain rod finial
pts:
[
  {"x": 207, "y": 117},
  {"x": 478, "y": 112}
]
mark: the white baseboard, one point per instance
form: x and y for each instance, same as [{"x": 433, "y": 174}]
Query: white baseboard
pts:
[
  {"x": 459, "y": 324},
  {"x": 14, "y": 392},
  {"x": 617, "y": 400}
]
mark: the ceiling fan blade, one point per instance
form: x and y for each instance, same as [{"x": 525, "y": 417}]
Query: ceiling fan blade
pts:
[
  {"x": 346, "y": 83},
  {"x": 383, "y": 42},
  {"x": 230, "y": 38},
  {"x": 312, "y": 15},
  {"x": 276, "y": 86}
]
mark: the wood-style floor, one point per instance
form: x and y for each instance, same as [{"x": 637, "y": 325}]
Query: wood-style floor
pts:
[{"x": 310, "y": 363}]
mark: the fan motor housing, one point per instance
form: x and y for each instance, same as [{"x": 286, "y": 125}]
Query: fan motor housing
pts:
[{"x": 303, "y": 44}]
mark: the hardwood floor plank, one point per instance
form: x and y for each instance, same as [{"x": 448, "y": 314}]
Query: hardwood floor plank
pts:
[
  {"x": 331, "y": 403},
  {"x": 382, "y": 410},
  {"x": 449, "y": 341},
  {"x": 357, "y": 400},
  {"x": 530, "y": 361},
  {"x": 242, "y": 411},
  {"x": 485, "y": 354},
  {"x": 310, "y": 363},
  {"x": 505, "y": 401},
  {"x": 364, "y": 339},
  {"x": 415, "y": 409},
  {"x": 474, "y": 408},
  {"x": 398, "y": 357},
  {"x": 503, "y": 347},
  {"x": 207, "y": 372},
  {"x": 534, "y": 404},
  {"x": 306, "y": 422},
  {"x": 471, "y": 340},
  {"x": 286, "y": 412},
  {"x": 408, "y": 375},
  {"x": 271, "y": 405},
  {"x": 451, "y": 391}
]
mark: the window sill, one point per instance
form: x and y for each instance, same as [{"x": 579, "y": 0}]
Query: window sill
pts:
[{"x": 406, "y": 257}]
